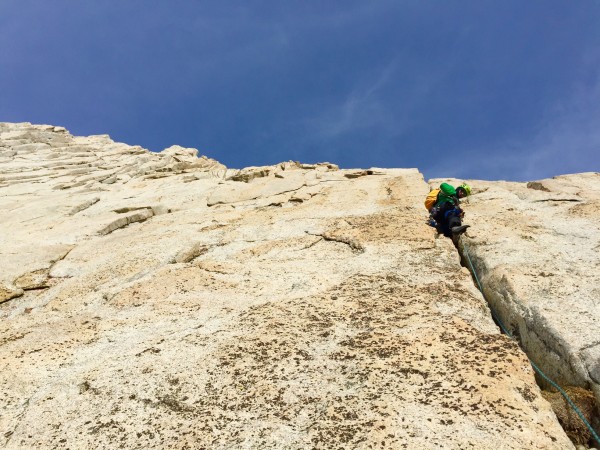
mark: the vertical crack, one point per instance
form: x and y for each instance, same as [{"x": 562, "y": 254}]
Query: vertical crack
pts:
[{"x": 583, "y": 399}]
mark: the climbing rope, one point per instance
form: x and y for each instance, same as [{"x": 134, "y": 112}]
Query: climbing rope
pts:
[{"x": 535, "y": 367}]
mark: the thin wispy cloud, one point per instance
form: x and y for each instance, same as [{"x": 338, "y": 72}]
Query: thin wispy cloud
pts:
[
  {"x": 570, "y": 136},
  {"x": 479, "y": 89},
  {"x": 566, "y": 141},
  {"x": 362, "y": 108}
]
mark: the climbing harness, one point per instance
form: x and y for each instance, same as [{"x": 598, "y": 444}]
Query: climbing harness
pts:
[{"x": 535, "y": 367}]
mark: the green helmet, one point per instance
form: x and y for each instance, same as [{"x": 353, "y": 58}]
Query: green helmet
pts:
[{"x": 466, "y": 188}]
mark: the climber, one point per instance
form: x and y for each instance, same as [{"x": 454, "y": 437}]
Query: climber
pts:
[{"x": 445, "y": 213}]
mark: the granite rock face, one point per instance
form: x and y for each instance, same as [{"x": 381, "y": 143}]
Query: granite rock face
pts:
[
  {"x": 536, "y": 248},
  {"x": 165, "y": 301}
]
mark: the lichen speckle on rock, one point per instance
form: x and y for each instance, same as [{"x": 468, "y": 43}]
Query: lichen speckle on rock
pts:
[{"x": 162, "y": 300}]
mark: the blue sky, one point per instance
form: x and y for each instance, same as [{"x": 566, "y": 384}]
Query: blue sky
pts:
[{"x": 468, "y": 89}]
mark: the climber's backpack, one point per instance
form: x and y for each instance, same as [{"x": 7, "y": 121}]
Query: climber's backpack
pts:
[{"x": 431, "y": 199}]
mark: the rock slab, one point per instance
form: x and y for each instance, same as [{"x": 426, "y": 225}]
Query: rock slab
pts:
[
  {"x": 282, "y": 307},
  {"x": 535, "y": 248}
]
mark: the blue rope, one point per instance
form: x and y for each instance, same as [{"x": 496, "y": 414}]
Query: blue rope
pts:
[{"x": 535, "y": 367}]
